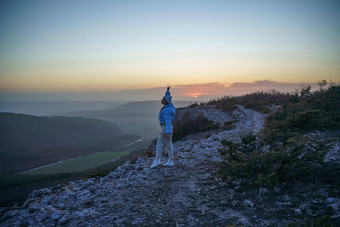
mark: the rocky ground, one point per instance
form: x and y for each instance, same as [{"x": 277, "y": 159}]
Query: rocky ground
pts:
[{"x": 189, "y": 194}]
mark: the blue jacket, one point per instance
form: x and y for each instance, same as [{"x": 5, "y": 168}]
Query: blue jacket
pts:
[{"x": 166, "y": 116}]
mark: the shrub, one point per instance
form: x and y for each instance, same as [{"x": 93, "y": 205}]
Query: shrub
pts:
[
  {"x": 325, "y": 221},
  {"x": 99, "y": 172},
  {"x": 312, "y": 111},
  {"x": 190, "y": 126},
  {"x": 296, "y": 161},
  {"x": 229, "y": 125},
  {"x": 259, "y": 101},
  {"x": 227, "y": 103},
  {"x": 195, "y": 104},
  {"x": 325, "y": 99},
  {"x": 150, "y": 154}
]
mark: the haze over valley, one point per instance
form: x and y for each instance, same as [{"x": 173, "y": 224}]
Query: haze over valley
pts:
[{"x": 28, "y": 141}]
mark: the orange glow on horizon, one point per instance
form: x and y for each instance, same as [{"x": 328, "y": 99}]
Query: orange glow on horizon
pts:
[{"x": 194, "y": 95}]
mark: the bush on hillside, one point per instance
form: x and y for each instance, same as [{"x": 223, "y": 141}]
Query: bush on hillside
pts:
[
  {"x": 227, "y": 103},
  {"x": 260, "y": 101},
  {"x": 313, "y": 111},
  {"x": 324, "y": 221},
  {"x": 252, "y": 161},
  {"x": 190, "y": 126},
  {"x": 326, "y": 98},
  {"x": 229, "y": 125},
  {"x": 283, "y": 153},
  {"x": 195, "y": 104}
]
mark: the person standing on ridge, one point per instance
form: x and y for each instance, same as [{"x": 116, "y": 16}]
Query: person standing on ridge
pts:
[{"x": 166, "y": 116}]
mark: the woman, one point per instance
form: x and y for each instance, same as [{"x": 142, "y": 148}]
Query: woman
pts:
[{"x": 166, "y": 116}]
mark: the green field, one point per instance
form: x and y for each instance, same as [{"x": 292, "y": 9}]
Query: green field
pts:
[
  {"x": 88, "y": 161},
  {"x": 77, "y": 164}
]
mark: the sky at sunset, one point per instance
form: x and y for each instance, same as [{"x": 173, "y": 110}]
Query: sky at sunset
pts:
[{"x": 199, "y": 47}]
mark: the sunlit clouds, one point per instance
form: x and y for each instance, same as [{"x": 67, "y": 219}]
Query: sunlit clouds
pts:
[
  {"x": 215, "y": 90},
  {"x": 146, "y": 73},
  {"x": 192, "y": 92}
]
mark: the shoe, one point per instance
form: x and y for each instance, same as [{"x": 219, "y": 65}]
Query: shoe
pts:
[
  {"x": 169, "y": 163},
  {"x": 155, "y": 164}
]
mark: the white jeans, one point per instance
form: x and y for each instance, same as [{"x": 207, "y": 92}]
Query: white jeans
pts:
[{"x": 160, "y": 142}]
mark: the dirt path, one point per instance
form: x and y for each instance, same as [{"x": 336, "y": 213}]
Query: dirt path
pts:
[{"x": 188, "y": 194}]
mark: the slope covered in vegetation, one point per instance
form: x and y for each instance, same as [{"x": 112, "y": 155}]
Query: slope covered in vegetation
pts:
[{"x": 289, "y": 153}]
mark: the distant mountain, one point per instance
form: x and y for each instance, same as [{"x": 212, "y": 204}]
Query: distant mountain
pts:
[
  {"x": 30, "y": 141},
  {"x": 44, "y": 108},
  {"x": 139, "y": 118}
]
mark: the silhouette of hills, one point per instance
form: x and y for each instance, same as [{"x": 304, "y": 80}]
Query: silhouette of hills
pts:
[
  {"x": 28, "y": 141},
  {"x": 138, "y": 118}
]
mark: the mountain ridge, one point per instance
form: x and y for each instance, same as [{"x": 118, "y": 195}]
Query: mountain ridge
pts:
[{"x": 138, "y": 118}]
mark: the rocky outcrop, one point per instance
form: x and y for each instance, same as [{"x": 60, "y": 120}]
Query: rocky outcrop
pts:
[
  {"x": 188, "y": 194},
  {"x": 244, "y": 119},
  {"x": 207, "y": 111}
]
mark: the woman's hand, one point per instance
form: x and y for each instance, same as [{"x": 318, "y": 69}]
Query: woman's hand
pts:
[
  {"x": 167, "y": 136},
  {"x": 168, "y": 88}
]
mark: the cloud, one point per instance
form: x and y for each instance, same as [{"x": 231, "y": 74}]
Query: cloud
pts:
[
  {"x": 199, "y": 92},
  {"x": 214, "y": 90}
]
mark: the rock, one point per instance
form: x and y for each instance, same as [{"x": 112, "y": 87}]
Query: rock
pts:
[
  {"x": 62, "y": 221},
  {"x": 248, "y": 203},
  {"x": 277, "y": 189},
  {"x": 333, "y": 155},
  {"x": 286, "y": 197},
  {"x": 298, "y": 211},
  {"x": 331, "y": 200},
  {"x": 284, "y": 204},
  {"x": 304, "y": 206},
  {"x": 334, "y": 203},
  {"x": 79, "y": 213},
  {"x": 234, "y": 202},
  {"x": 335, "y": 217},
  {"x": 263, "y": 191},
  {"x": 335, "y": 208},
  {"x": 137, "y": 221}
]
